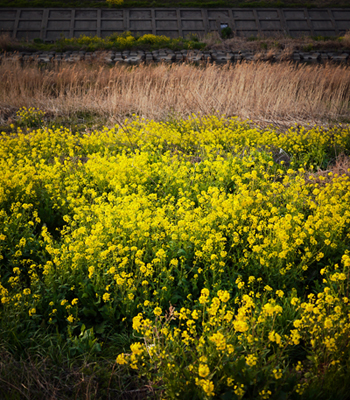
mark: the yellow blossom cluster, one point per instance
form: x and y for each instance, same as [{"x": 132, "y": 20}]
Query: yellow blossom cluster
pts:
[{"x": 230, "y": 268}]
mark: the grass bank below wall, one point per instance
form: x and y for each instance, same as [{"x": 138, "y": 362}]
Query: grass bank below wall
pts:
[
  {"x": 91, "y": 95},
  {"x": 184, "y": 259},
  {"x": 211, "y": 41}
]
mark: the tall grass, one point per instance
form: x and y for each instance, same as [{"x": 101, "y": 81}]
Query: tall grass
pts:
[{"x": 258, "y": 91}]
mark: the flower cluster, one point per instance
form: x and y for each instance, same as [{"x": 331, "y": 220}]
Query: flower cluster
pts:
[{"x": 231, "y": 268}]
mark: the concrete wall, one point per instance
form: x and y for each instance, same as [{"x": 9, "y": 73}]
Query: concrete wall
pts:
[{"x": 49, "y": 23}]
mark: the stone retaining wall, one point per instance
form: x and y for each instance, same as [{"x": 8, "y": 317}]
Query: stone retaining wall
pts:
[
  {"x": 169, "y": 56},
  {"x": 49, "y": 23}
]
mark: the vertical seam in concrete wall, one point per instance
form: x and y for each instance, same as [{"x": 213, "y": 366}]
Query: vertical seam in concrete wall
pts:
[
  {"x": 257, "y": 21},
  {"x": 153, "y": 15},
  {"x": 126, "y": 19},
  {"x": 306, "y": 13},
  {"x": 233, "y": 26},
  {"x": 205, "y": 20},
  {"x": 44, "y": 24},
  {"x": 283, "y": 21},
  {"x": 330, "y": 13},
  {"x": 234, "y": 22},
  {"x": 179, "y": 24},
  {"x": 99, "y": 15},
  {"x": 72, "y": 22},
  {"x": 16, "y": 24}
]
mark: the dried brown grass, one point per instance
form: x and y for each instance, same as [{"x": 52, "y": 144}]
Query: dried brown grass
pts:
[
  {"x": 340, "y": 167},
  {"x": 40, "y": 378},
  {"x": 258, "y": 91},
  {"x": 276, "y": 43}
]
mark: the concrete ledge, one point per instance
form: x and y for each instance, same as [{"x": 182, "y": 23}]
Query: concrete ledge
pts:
[{"x": 49, "y": 23}]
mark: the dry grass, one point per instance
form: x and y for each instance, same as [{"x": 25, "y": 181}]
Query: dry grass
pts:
[
  {"x": 40, "y": 378},
  {"x": 275, "y": 43},
  {"x": 339, "y": 167},
  {"x": 261, "y": 92}
]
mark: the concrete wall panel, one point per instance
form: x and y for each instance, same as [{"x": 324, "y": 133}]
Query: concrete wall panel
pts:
[
  {"x": 140, "y": 14},
  {"x": 30, "y": 25},
  {"x": 8, "y": 14},
  {"x": 7, "y": 25},
  {"x": 195, "y": 25},
  {"x": 297, "y": 25},
  {"x": 112, "y": 14},
  {"x": 271, "y": 25},
  {"x": 112, "y": 25},
  {"x": 58, "y": 25},
  {"x": 191, "y": 14},
  {"x": 27, "y": 35},
  {"x": 344, "y": 14},
  {"x": 60, "y": 14},
  {"x": 56, "y": 34},
  {"x": 141, "y": 25},
  {"x": 164, "y": 14},
  {"x": 88, "y": 25},
  {"x": 267, "y": 14},
  {"x": 78, "y": 33},
  {"x": 48, "y": 24},
  {"x": 322, "y": 24},
  {"x": 172, "y": 25},
  {"x": 168, "y": 33},
  {"x": 82, "y": 14},
  {"x": 243, "y": 14},
  {"x": 33, "y": 14},
  {"x": 246, "y": 25}
]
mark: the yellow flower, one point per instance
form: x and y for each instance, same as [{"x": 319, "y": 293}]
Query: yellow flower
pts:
[
  {"x": 106, "y": 297},
  {"x": 203, "y": 370},
  {"x": 70, "y": 318},
  {"x": 223, "y": 295},
  {"x": 251, "y": 360},
  {"x": 240, "y": 326},
  {"x": 157, "y": 311},
  {"x": 121, "y": 359},
  {"x": 32, "y": 311},
  {"x": 137, "y": 348},
  {"x": 219, "y": 340}
]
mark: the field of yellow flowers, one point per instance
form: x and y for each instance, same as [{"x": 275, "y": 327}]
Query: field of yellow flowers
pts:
[{"x": 226, "y": 270}]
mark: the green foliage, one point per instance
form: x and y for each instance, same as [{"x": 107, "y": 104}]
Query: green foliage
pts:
[
  {"x": 118, "y": 42},
  {"x": 29, "y": 118},
  {"x": 226, "y": 32}
]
